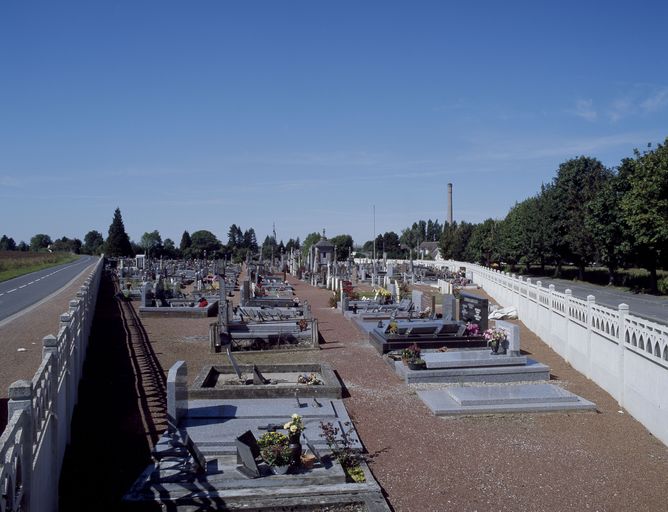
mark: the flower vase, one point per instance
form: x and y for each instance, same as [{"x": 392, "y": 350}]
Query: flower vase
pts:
[
  {"x": 279, "y": 470},
  {"x": 296, "y": 448},
  {"x": 495, "y": 348}
]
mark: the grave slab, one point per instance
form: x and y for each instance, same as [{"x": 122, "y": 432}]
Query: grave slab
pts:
[
  {"x": 490, "y": 395},
  {"x": 470, "y": 358},
  {"x": 513, "y": 398},
  {"x": 214, "y": 424},
  {"x": 532, "y": 371}
]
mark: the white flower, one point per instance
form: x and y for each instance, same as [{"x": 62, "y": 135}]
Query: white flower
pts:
[
  {"x": 296, "y": 416},
  {"x": 287, "y": 425},
  {"x": 293, "y": 428}
]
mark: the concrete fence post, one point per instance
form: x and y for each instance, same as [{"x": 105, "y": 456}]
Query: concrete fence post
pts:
[
  {"x": 591, "y": 300},
  {"x": 20, "y": 399},
  {"x": 550, "y": 297},
  {"x": 621, "y": 345},
  {"x": 567, "y": 306}
]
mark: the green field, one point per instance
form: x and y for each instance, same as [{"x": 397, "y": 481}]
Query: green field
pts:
[{"x": 18, "y": 263}]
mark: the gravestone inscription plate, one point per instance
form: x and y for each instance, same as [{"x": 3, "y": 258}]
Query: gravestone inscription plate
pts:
[{"x": 474, "y": 309}]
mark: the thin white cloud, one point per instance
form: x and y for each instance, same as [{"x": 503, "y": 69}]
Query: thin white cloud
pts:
[
  {"x": 655, "y": 101},
  {"x": 585, "y": 110},
  {"x": 508, "y": 150},
  {"x": 621, "y": 107},
  {"x": 9, "y": 182},
  {"x": 642, "y": 99}
]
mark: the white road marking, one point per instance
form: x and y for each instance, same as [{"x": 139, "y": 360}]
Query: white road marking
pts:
[{"x": 38, "y": 279}]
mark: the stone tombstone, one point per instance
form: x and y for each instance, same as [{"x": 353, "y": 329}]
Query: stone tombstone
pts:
[
  {"x": 474, "y": 309},
  {"x": 416, "y": 298},
  {"x": 449, "y": 307},
  {"x": 245, "y": 293},
  {"x": 513, "y": 333},
  {"x": 145, "y": 287},
  {"x": 258, "y": 378},
  {"x": 247, "y": 452},
  {"x": 233, "y": 362},
  {"x": 344, "y": 301},
  {"x": 177, "y": 393},
  {"x": 390, "y": 270},
  {"x": 397, "y": 290}
]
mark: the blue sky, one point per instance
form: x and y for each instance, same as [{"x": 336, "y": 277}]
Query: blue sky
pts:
[{"x": 196, "y": 115}]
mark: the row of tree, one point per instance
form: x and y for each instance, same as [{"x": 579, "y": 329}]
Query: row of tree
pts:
[
  {"x": 42, "y": 242},
  {"x": 588, "y": 214}
]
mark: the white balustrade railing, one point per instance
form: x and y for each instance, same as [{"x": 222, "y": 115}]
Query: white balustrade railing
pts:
[{"x": 39, "y": 412}]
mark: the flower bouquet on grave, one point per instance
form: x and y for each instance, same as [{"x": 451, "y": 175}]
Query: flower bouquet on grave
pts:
[
  {"x": 495, "y": 338},
  {"x": 310, "y": 379},
  {"x": 471, "y": 329},
  {"x": 411, "y": 353},
  {"x": 271, "y": 439},
  {"x": 295, "y": 427}
]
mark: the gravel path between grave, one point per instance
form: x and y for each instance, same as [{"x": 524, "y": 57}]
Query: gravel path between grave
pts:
[{"x": 603, "y": 461}]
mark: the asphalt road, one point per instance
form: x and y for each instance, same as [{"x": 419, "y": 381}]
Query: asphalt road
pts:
[
  {"x": 651, "y": 307},
  {"x": 22, "y": 292}
]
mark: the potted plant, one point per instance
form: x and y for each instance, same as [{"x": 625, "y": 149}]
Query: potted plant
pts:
[
  {"x": 272, "y": 438},
  {"x": 278, "y": 457}
]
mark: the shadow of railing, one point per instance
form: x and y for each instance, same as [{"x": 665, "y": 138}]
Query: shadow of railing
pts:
[{"x": 121, "y": 409}]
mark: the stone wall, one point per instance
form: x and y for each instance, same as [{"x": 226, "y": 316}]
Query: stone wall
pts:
[{"x": 33, "y": 444}]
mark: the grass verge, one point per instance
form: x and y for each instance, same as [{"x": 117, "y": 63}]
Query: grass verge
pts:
[{"x": 14, "y": 264}]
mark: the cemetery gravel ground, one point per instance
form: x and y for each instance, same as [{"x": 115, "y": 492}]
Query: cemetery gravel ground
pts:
[{"x": 602, "y": 461}]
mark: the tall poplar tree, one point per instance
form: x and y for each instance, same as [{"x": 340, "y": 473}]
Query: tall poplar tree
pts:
[{"x": 118, "y": 242}]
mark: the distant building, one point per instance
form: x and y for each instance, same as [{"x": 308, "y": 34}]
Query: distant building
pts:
[
  {"x": 429, "y": 250},
  {"x": 321, "y": 254}
]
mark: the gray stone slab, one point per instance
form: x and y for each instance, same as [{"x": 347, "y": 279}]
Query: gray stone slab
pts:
[
  {"x": 260, "y": 408},
  {"x": 532, "y": 371},
  {"x": 470, "y": 358},
  {"x": 214, "y": 424},
  {"x": 521, "y": 394},
  {"x": 504, "y": 399},
  {"x": 513, "y": 332}
]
